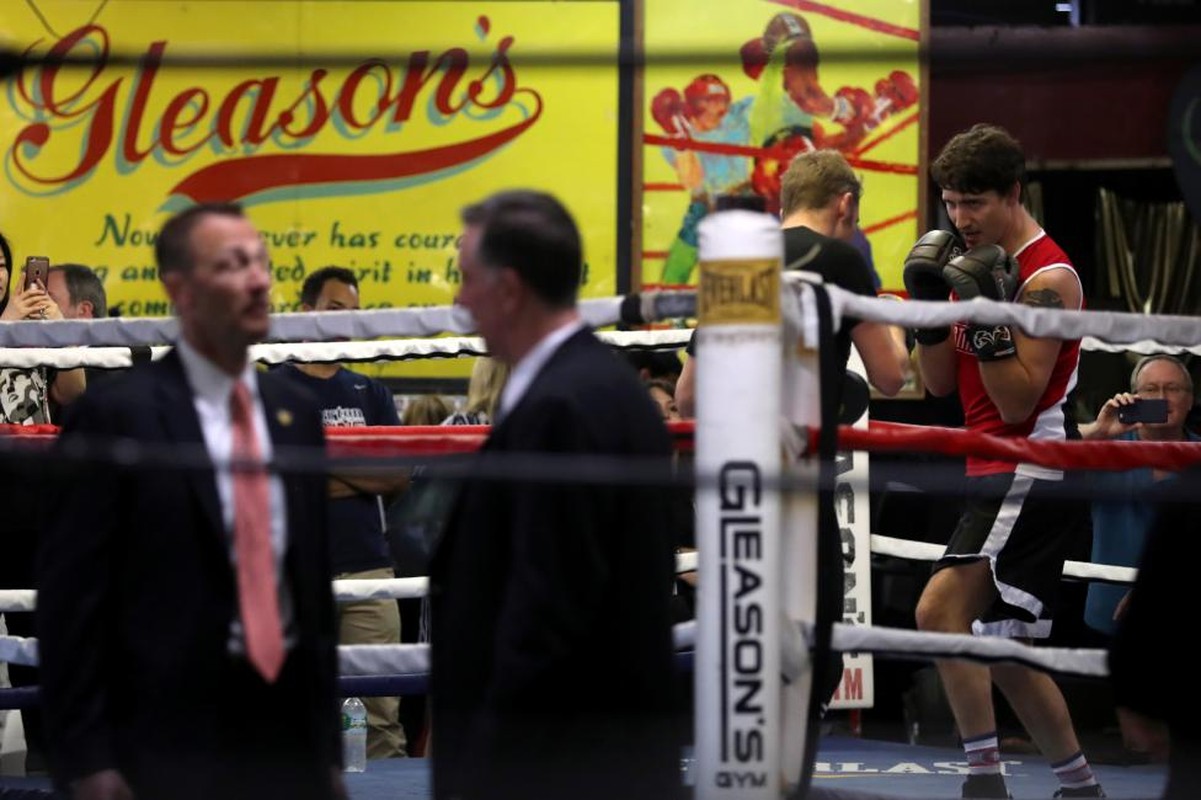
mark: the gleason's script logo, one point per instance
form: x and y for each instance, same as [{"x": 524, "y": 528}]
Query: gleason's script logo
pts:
[
  {"x": 743, "y": 666},
  {"x": 740, "y": 291},
  {"x": 81, "y": 116}
]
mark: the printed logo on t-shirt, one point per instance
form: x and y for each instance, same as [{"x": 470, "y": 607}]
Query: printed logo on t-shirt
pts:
[{"x": 342, "y": 417}]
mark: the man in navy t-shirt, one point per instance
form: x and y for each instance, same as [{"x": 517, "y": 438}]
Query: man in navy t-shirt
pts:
[{"x": 356, "y": 521}]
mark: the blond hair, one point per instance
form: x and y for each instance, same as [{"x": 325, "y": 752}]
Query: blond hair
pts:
[
  {"x": 488, "y": 378},
  {"x": 815, "y": 179},
  {"x": 426, "y": 409}
]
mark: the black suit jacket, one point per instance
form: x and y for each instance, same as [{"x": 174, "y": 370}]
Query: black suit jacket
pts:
[
  {"x": 137, "y": 592},
  {"x": 551, "y": 638},
  {"x": 1147, "y": 640}
]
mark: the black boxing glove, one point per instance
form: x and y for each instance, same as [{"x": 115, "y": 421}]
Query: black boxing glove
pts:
[
  {"x": 924, "y": 278},
  {"x": 989, "y": 272},
  {"x": 985, "y": 271}
]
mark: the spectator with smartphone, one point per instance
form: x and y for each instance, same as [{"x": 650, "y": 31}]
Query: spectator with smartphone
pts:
[
  {"x": 78, "y": 291},
  {"x": 1154, "y": 410},
  {"x": 27, "y": 391}
]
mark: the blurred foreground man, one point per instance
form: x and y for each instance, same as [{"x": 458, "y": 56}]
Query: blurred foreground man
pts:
[
  {"x": 552, "y": 654},
  {"x": 185, "y": 617}
]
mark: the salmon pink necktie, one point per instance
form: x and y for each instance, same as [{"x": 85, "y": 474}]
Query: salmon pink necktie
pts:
[{"x": 258, "y": 597}]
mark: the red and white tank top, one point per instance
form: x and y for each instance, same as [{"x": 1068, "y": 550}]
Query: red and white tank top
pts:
[{"x": 1048, "y": 421}]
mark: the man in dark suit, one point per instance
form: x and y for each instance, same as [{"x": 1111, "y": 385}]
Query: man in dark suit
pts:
[
  {"x": 185, "y": 617},
  {"x": 552, "y": 656},
  {"x": 1159, "y": 715}
]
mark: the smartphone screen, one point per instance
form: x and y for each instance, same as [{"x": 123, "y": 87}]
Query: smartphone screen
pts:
[
  {"x": 1145, "y": 409},
  {"x": 36, "y": 270}
]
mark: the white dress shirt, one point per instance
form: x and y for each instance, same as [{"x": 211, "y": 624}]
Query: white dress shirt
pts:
[
  {"x": 531, "y": 364},
  {"x": 211, "y": 392}
]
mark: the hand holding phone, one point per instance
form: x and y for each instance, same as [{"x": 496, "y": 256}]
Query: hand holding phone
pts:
[
  {"x": 37, "y": 269},
  {"x": 1149, "y": 410}
]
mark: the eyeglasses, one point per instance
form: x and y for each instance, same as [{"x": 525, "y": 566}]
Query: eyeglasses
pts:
[{"x": 1167, "y": 388}]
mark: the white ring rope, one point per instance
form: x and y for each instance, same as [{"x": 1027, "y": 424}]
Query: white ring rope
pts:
[
  {"x": 904, "y": 643},
  {"x": 1146, "y": 347},
  {"x": 319, "y": 352},
  {"x": 388, "y": 659},
  {"x": 19, "y": 650},
  {"x": 353, "y": 660},
  {"x": 413, "y": 659},
  {"x": 385, "y": 349},
  {"x": 12, "y": 600},
  {"x": 366, "y": 660},
  {"x": 356, "y": 590},
  {"x": 66, "y": 357},
  {"x": 57, "y": 343},
  {"x": 1112, "y": 326},
  {"x": 331, "y": 325},
  {"x": 353, "y": 590},
  {"x": 294, "y": 326},
  {"x": 350, "y": 590},
  {"x": 414, "y": 348},
  {"x": 928, "y": 551}
]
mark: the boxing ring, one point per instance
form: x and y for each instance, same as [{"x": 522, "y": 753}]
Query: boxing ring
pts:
[
  {"x": 847, "y": 769},
  {"x": 787, "y": 464}
]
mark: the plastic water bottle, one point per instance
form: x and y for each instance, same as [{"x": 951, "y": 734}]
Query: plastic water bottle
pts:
[
  {"x": 354, "y": 735},
  {"x": 687, "y": 766}
]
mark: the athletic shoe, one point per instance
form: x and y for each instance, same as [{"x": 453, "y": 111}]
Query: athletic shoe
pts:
[
  {"x": 1081, "y": 791},
  {"x": 985, "y": 786}
]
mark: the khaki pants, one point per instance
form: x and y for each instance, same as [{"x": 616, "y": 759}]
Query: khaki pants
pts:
[{"x": 375, "y": 622}]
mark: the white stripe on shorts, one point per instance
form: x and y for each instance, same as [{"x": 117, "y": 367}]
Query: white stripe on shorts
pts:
[{"x": 1007, "y": 517}]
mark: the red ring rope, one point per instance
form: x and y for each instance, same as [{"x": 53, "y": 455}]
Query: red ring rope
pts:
[
  {"x": 435, "y": 440},
  {"x": 1110, "y": 455}
]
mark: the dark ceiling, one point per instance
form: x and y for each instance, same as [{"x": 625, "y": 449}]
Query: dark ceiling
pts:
[{"x": 1049, "y": 12}]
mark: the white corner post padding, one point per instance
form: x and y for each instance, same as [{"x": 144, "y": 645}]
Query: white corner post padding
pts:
[
  {"x": 737, "y": 668},
  {"x": 799, "y": 514}
]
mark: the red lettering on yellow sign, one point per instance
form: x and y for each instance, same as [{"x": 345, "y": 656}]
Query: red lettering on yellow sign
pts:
[{"x": 250, "y": 114}]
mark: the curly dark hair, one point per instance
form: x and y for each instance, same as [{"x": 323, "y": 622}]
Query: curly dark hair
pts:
[{"x": 985, "y": 157}]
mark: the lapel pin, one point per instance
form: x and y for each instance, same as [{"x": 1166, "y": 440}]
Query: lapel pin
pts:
[{"x": 284, "y": 416}]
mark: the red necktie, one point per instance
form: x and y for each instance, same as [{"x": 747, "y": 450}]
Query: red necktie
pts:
[{"x": 257, "y": 595}]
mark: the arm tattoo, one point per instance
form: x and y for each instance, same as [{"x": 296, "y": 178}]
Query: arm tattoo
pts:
[{"x": 1043, "y": 298}]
